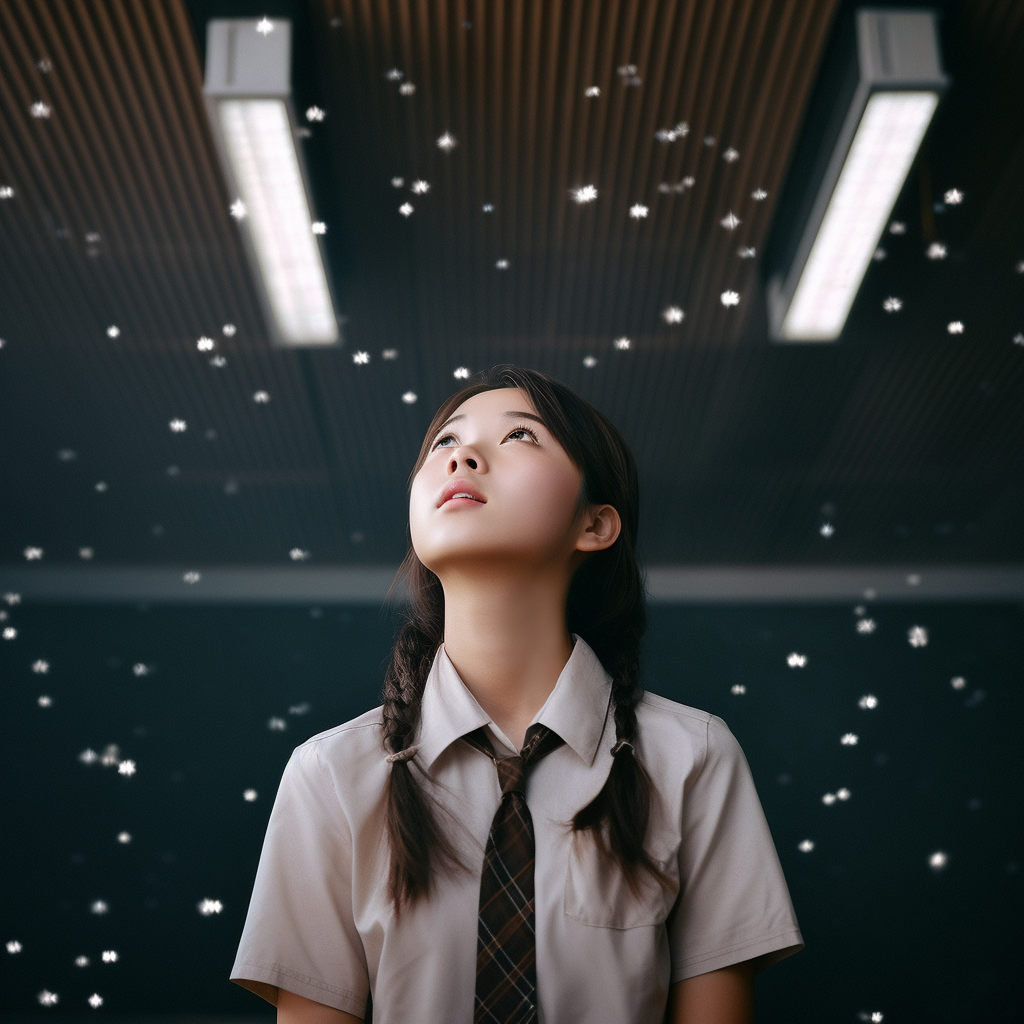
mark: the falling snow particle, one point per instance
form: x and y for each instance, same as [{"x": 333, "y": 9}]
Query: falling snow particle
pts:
[
  {"x": 315, "y": 113},
  {"x": 99, "y": 907},
  {"x": 319, "y": 227},
  {"x": 622, "y": 343},
  {"x": 405, "y": 209},
  {"x": 406, "y": 89},
  {"x": 730, "y": 221},
  {"x": 218, "y": 361},
  {"x": 488, "y": 207},
  {"x": 461, "y": 372},
  {"x": 389, "y": 353},
  {"x": 298, "y": 555},
  {"x": 204, "y": 344},
  {"x": 955, "y": 327},
  {"x": 586, "y": 194},
  {"x": 113, "y": 331},
  {"x": 938, "y": 860},
  {"x": 917, "y": 636},
  {"x": 95, "y": 1000},
  {"x": 360, "y": 358},
  {"x": 446, "y": 142},
  {"x": 827, "y": 529},
  {"x": 14, "y": 946},
  {"x": 40, "y": 109},
  {"x": 207, "y": 907},
  {"x": 261, "y": 396},
  {"x": 738, "y": 689},
  {"x": 33, "y": 554},
  {"x": 249, "y": 795},
  {"x": 177, "y": 425},
  {"x": 849, "y": 739},
  {"x": 709, "y": 140},
  {"x": 958, "y": 682},
  {"x": 48, "y": 998},
  {"x": 82, "y": 961},
  {"x": 277, "y": 725},
  {"x": 191, "y": 576},
  {"x": 589, "y": 362},
  {"x": 637, "y": 210},
  {"x": 953, "y": 197},
  {"x": 394, "y": 75},
  {"x": 868, "y": 701},
  {"x": 892, "y": 304},
  {"x": 126, "y": 768},
  {"x": 828, "y": 799},
  {"x": 866, "y": 626},
  {"x": 748, "y": 252},
  {"x": 758, "y": 194},
  {"x": 730, "y": 155},
  {"x": 591, "y": 91},
  {"x": 806, "y": 846},
  {"x": 238, "y": 210},
  {"x": 730, "y": 298},
  {"x": 914, "y": 579},
  {"x": 265, "y": 26},
  {"x": 420, "y": 187},
  {"x": 897, "y": 227},
  {"x": 140, "y": 669},
  {"x": 40, "y": 666},
  {"x": 10, "y": 632},
  {"x": 124, "y": 837},
  {"x": 6, "y": 192},
  {"x": 501, "y": 264},
  {"x": 843, "y": 794},
  {"x": 936, "y": 251},
  {"x": 88, "y": 756},
  {"x": 1018, "y": 339},
  {"x": 397, "y": 182},
  {"x": 878, "y": 255},
  {"x": 796, "y": 660},
  {"x": 44, "y": 701}
]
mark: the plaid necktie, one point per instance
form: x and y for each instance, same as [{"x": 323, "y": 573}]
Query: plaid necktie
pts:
[{"x": 506, "y": 946}]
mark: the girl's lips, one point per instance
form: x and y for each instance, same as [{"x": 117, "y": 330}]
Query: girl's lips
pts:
[{"x": 461, "y": 501}]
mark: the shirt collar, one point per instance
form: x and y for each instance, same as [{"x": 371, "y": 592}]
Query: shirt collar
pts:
[{"x": 576, "y": 708}]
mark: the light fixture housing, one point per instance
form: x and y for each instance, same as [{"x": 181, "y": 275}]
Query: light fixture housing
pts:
[
  {"x": 247, "y": 91},
  {"x": 858, "y": 159}
]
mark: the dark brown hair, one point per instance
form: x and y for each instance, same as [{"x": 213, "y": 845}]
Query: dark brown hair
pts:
[{"x": 605, "y": 606}]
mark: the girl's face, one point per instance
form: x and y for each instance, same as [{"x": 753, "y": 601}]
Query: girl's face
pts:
[{"x": 529, "y": 482}]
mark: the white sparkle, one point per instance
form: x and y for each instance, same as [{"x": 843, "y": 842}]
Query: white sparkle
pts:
[
  {"x": 758, "y": 194},
  {"x": 207, "y": 907},
  {"x": 892, "y": 304},
  {"x": 360, "y": 358},
  {"x": 45, "y": 702},
  {"x": 265, "y": 27},
  {"x": 878, "y": 255},
  {"x": 461, "y": 372},
  {"x": 95, "y": 1000},
  {"x": 738, "y": 689},
  {"x": 82, "y": 961},
  {"x": 177, "y": 425},
  {"x": 591, "y": 91},
  {"x": 298, "y": 554},
  {"x": 1019, "y": 267},
  {"x": 218, "y": 361},
  {"x": 843, "y": 794},
  {"x": 586, "y": 194},
  {"x": 748, "y": 252},
  {"x": 938, "y": 860},
  {"x": 99, "y": 907},
  {"x": 319, "y": 227},
  {"x": 897, "y": 227},
  {"x": 101, "y": 486},
  {"x": 673, "y": 315},
  {"x": 914, "y": 579},
  {"x": 958, "y": 682},
  {"x": 689, "y": 181},
  {"x": 622, "y": 343},
  {"x": 238, "y": 210},
  {"x": 796, "y": 660},
  {"x": 192, "y": 576},
  {"x": 249, "y": 795},
  {"x": 589, "y": 362},
  {"x": 953, "y": 197},
  {"x": 828, "y": 799},
  {"x": 67, "y": 455},
  {"x": 420, "y": 187},
  {"x": 877, "y": 1018},
  {"x": 501, "y": 264},
  {"x": 33, "y": 554},
  {"x": 730, "y": 221},
  {"x": 40, "y": 666},
  {"x": 849, "y": 739},
  {"x": 88, "y": 756},
  {"x": 730, "y": 298},
  {"x": 204, "y": 344},
  {"x": 277, "y": 724},
  {"x": 446, "y": 142},
  {"x": 488, "y": 207},
  {"x": 113, "y": 331},
  {"x": 1018, "y": 339},
  {"x": 709, "y": 140},
  {"x": 406, "y": 89},
  {"x": 40, "y": 109},
  {"x": 868, "y": 701},
  {"x": 955, "y": 327},
  {"x": 917, "y": 636},
  {"x": 806, "y": 846},
  {"x": 866, "y": 626},
  {"x": 126, "y": 768},
  {"x": 140, "y": 669},
  {"x": 827, "y": 529},
  {"x": 389, "y": 353},
  {"x": 405, "y": 209},
  {"x": 936, "y": 251},
  {"x": 14, "y": 946},
  {"x": 397, "y": 182},
  {"x": 12, "y": 598},
  {"x": 124, "y": 837},
  {"x": 6, "y": 192},
  {"x": 48, "y": 998},
  {"x": 730, "y": 155},
  {"x": 409, "y": 397},
  {"x": 110, "y": 956},
  {"x": 111, "y": 755},
  {"x": 10, "y": 632},
  {"x": 638, "y": 210},
  {"x": 261, "y": 396},
  {"x": 315, "y": 113},
  {"x": 394, "y": 75}
]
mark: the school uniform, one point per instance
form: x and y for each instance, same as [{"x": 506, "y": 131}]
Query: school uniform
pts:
[{"x": 320, "y": 924}]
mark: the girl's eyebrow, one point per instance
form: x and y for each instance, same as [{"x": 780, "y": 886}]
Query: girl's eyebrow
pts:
[{"x": 509, "y": 413}]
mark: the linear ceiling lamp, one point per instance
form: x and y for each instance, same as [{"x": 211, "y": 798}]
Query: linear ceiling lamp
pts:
[
  {"x": 894, "y": 94},
  {"x": 248, "y": 97}
]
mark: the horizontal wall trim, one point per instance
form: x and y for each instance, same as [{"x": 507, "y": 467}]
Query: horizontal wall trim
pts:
[{"x": 666, "y": 584}]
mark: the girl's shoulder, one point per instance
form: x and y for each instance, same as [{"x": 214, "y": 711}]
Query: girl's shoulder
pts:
[
  {"x": 354, "y": 745},
  {"x": 677, "y": 734}
]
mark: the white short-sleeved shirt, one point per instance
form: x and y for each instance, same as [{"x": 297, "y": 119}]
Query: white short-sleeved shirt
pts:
[{"x": 320, "y": 924}]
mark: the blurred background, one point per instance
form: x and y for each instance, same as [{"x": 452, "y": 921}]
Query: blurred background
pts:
[{"x": 246, "y": 253}]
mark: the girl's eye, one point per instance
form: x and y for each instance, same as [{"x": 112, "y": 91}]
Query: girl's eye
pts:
[{"x": 515, "y": 430}]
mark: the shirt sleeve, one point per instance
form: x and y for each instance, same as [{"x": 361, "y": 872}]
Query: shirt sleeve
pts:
[
  {"x": 734, "y": 904},
  {"x": 299, "y": 931}
]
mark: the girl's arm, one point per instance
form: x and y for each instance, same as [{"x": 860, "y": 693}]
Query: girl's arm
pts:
[
  {"x": 725, "y": 996},
  {"x": 296, "y": 1009}
]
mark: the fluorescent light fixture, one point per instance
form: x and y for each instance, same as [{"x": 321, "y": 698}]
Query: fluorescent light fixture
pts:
[
  {"x": 248, "y": 97},
  {"x": 898, "y": 88}
]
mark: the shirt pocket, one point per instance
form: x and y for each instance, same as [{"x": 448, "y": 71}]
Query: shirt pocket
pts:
[{"x": 596, "y": 893}]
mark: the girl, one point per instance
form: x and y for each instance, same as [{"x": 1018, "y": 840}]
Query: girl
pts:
[{"x": 520, "y": 832}]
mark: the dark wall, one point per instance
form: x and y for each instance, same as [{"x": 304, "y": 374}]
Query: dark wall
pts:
[{"x": 936, "y": 769}]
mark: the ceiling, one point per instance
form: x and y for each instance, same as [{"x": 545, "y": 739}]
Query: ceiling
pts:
[{"x": 905, "y": 439}]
